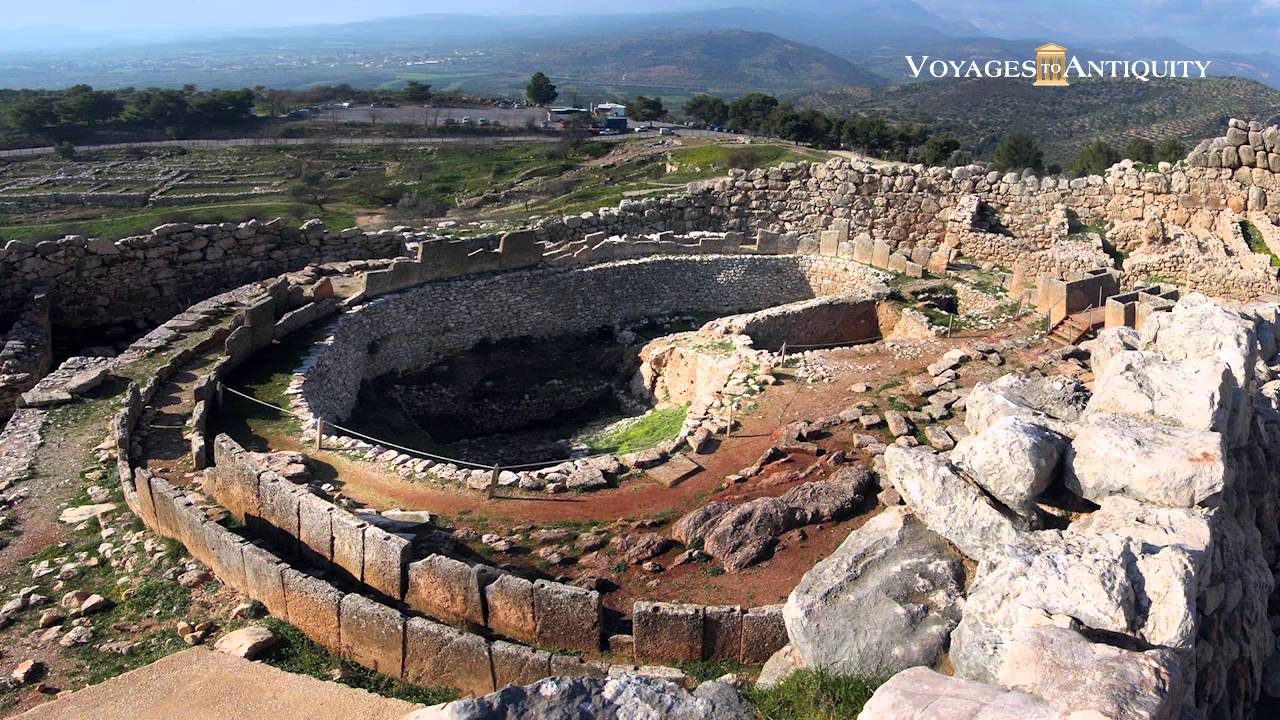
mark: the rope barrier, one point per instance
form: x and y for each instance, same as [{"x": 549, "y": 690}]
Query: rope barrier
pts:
[
  {"x": 408, "y": 450},
  {"x": 322, "y": 423}
]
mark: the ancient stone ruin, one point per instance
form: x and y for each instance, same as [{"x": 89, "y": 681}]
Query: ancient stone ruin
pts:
[{"x": 1090, "y": 534}]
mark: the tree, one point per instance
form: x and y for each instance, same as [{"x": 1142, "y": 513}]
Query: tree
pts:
[
  {"x": 939, "y": 149},
  {"x": 540, "y": 91},
  {"x": 646, "y": 109},
  {"x": 415, "y": 91},
  {"x": 868, "y": 133},
  {"x": 221, "y": 107},
  {"x": 752, "y": 111},
  {"x": 806, "y": 126},
  {"x": 84, "y": 105},
  {"x": 707, "y": 109},
  {"x": 577, "y": 129},
  {"x": 1019, "y": 151},
  {"x": 33, "y": 115},
  {"x": 1140, "y": 150},
  {"x": 1170, "y": 151},
  {"x": 310, "y": 187},
  {"x": 159, "y": 108},
  {"x": 1095, "y": 159}
]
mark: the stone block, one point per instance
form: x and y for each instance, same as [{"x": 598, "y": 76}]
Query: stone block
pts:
[
  {"x": 920, "y": 255},
  {"x": 260, "y": 320},
  {"x": 313, "y": 608},
  {"x": 385, "y": 558},
  {"x": 897, "y": 263},
  {"x": 722, "y": 632},
  {"x": 265, "y": 574},
  {"x": 146, "y": 505},
  {"x": 438, "y": 655},
  {"x": 863, "y": 249},
  {"x": 445, "y": 589},
  {"x": 226, "y": 555},
  {"x": 667, "y": 632},
  {"x": 573, "y": 666},
  {"x": 348, "y": 544},
  {"x": 509, "y": 601},
  {"x": 518, "y": 665},
  {"x": 763, "y": 633},
  {"x": 519, "y": 249},
  {"x": 912, "y": 269},
  {"x": 315, "y": 529},
  {"x": 828, "y": 242},
  {"x": 880, "y": 254},
  {"x": 279, "y": 519},
  {"x": 567, "y": 617},
  {"x": 372, "y": 634}
]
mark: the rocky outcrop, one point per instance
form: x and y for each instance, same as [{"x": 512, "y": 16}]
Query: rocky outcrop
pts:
[
  {"x": 950, "y": 504},
  {"x": 742, "y": 535},
  {"x": 885, "y": 600},
  {"x": 623, "y": 697},
  {"x": 1154, "y": 602}
]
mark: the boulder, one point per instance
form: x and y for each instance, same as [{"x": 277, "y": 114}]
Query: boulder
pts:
[
  {"x": 780, "y": 665},
  {"x": 949, "y": 504},
  {"x": 247, "y": 642},
  {"x": 1061, "y": 666},
  {"x": 1053, "y": 402},
  {"x": 747, "y": 534},
  {"x": 697, "y": 523},
  {"x": 1127, "y": 568},
  {"x": 639, "y": 547},
  {"x": 1013, "y": 459},
  {"x": 923, "y": 694},
  {"x": 832, "y": 499},
  {"x": 885, "y": 600},
  {"x": 1196, "y": 393},
  {"x": 625, "y": 696},
  {"x": 1160, "y": 464},
  {"x": 1196, "y": 329}
]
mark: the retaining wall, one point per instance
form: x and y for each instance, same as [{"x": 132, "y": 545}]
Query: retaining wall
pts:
[{"x": 26, "y": 350}]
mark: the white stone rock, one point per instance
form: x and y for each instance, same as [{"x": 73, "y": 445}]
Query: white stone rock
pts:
[
  {"x": 1123, "y": 455},
  {"x": 1013, "y": 459}
]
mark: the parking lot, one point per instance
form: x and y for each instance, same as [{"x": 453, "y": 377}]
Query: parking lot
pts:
[{"x": 431, "y": 116}]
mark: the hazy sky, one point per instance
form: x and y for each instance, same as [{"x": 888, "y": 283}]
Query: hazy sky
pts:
[{"x": 1210, "y": 24}]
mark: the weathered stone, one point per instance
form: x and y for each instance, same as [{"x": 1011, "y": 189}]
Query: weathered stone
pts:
[
  {"x": 885, "y": 600},
  {"x": 949, "y": 504},
  {"x": 1123, "y": 455},
  {"x": 247, "y": 642},
  {"x": 1012, "y": 459},
  {"x": 923, "y": 694}
]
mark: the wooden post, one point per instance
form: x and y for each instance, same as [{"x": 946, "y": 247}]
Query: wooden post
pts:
[
  {"x": 319, "y": 431},
  {"x": 493, "y": 483},
  {"x": 728, "y": 428},
  {"x": 950, "y": 319},
  {"x": 783, "y": 352},
  {"x": 218, "y": 390}
]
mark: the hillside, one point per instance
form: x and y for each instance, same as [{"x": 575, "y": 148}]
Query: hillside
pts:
[
  {"x": 981, "y": 111},
  {"x": 720, "y": 61}
]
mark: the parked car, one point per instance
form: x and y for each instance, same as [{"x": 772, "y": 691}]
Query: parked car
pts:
[
  {"x": 466, "y": 120},
  {"x": 483, "y": 121},
  {"x": 664, "y": 131}
]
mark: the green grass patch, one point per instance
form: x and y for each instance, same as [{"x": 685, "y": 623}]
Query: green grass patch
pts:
[
  {"x": 646, "y": 432},
  {"x": 1257, "y": 244},
  {"x": 704, "y": 670},
  {"x": 128, "y": 223},
  {"x": 814, "y": 695},
  {"x": 296, "y": 653}
]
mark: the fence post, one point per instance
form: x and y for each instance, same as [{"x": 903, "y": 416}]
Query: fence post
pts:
[
  {"x": 728, "y": 428},
  {"x": 319, "y": 431},
  {"x": 493, "y": 482},
  {"x": 950, "y": 319},
  {"x": 218, "y": 389}
]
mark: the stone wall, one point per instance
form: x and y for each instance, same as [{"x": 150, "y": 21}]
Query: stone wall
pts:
[
  {"x": 149, "y": 278},
  {"x": 25, "y": 351},
  {"x": 383, "y": 335}
]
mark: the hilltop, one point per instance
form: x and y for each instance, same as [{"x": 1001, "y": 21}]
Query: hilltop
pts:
[{"x": 981, "y": 111}]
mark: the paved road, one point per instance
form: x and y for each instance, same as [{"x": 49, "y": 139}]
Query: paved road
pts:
[
  {"x": 412, "y": 115},
  {"x": 201, "y": 684}
]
